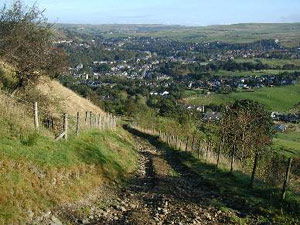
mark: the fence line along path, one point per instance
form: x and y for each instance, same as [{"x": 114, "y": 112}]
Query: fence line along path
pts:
[
  {"x": 276, "y": 171},
  {"x": 65, "y": 124}
]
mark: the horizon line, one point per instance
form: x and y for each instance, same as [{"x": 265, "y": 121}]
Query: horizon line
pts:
[{"x": 178, "y": 25}]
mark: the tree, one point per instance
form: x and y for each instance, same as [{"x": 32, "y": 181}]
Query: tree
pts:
[
  {"x": 102, "y": 68},
  {"x": 222, "y": 130},
  {"x": 26, "y": 44},
  {"x": 247, "y": 131},
  {"x": 262, "y": 137},
  {"x": 229, "y": 133}
]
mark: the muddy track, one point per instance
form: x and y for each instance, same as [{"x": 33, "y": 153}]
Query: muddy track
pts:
[{"x": 164, "y": 191}]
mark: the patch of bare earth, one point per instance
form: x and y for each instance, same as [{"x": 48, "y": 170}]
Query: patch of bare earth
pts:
[{"x": 156, "y": 195}]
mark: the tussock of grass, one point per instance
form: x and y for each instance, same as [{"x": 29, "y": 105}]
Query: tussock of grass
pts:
[
  {"x": 14, "y": 119},
  {"x": 37, "y": 173}
]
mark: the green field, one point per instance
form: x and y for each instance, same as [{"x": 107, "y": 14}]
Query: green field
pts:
[
  {"x": 271, "y": 62},
  {"x": 289, "y": 142},
  {"x": 250, "y": 73},
  {"x": 280, "y": 99}
]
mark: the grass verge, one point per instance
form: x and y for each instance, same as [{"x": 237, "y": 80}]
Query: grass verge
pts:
[{"x": 38, "y": 173}]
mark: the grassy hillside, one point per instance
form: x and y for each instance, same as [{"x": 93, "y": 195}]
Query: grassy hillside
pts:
[
  {"x": 38, "y": 173},
  {"x": 280, "y": 99},
  {"x": 66, "y": 100}
]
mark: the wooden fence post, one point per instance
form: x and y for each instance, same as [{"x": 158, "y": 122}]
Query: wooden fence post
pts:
[
  {"x": 111, "y": 122},
  {"x": 219, "y": 151},
  {"x": 187, "y": 143},
  {"x": 86, "y": 118},
  {"x": 77, "y": 123},
  {"x": 193, "y": 143},
  {"x": 207, "y": 151},
  {"x": 91, "y": 119},
  {"x": 232, "y": 159},
  {"x": 98, "y": 125},
  {"x": 256, "y": 158},
  {"x": 52, "y": 123},
  {"x": 114, "y": 122},
  {"x": 101, "y": 122},
  {"x": 286, "y": 180},
  {"x": 66, "y": 126},
  {"x": 36, "y": 116},
  {"x": 199, "y": 148}
]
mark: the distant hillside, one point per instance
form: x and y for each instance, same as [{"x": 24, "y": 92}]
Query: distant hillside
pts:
[{"x": 287, "y": 33}]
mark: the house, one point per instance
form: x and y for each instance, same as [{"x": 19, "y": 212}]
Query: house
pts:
[
  {"x": 275, "y": 115},
  {"x": 201, "y": 108},
  {"x": 165, "y": 93},
  {"x": 280, "y": 128},
  {"x": 153, "y": 93},
  {"x": 97, "y": 75},
  {"x": 79, "y": 66},
  {"x": 212, "y": 116}
]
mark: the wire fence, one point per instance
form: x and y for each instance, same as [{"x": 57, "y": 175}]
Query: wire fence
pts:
[
  {"x": 274, "y": 170},
  {"x": 60, "y": 124},
  {"x": 65, "y": 124}
]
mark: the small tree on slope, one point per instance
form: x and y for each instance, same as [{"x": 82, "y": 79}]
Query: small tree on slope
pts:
[
  {"x": 26, "y": 44},
  {"x": 248, "y": 131}
]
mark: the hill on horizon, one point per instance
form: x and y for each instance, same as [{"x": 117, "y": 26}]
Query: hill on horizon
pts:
[{"x": 288, "y": 34}]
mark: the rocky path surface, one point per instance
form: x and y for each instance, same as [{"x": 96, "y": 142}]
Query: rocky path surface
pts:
[{"x": 162, "y": 192}]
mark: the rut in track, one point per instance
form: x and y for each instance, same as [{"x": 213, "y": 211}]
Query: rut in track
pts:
[{"x": 163, "y": 191}]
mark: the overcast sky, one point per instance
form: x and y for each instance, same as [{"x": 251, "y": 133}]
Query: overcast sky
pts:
[{"x": 183, "y": 12}]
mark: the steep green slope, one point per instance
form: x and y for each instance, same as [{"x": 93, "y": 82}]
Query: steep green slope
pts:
[{"x": 38, "y": 173}]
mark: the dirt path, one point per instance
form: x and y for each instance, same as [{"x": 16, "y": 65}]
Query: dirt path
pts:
[{"x": 163, "y": 192}]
